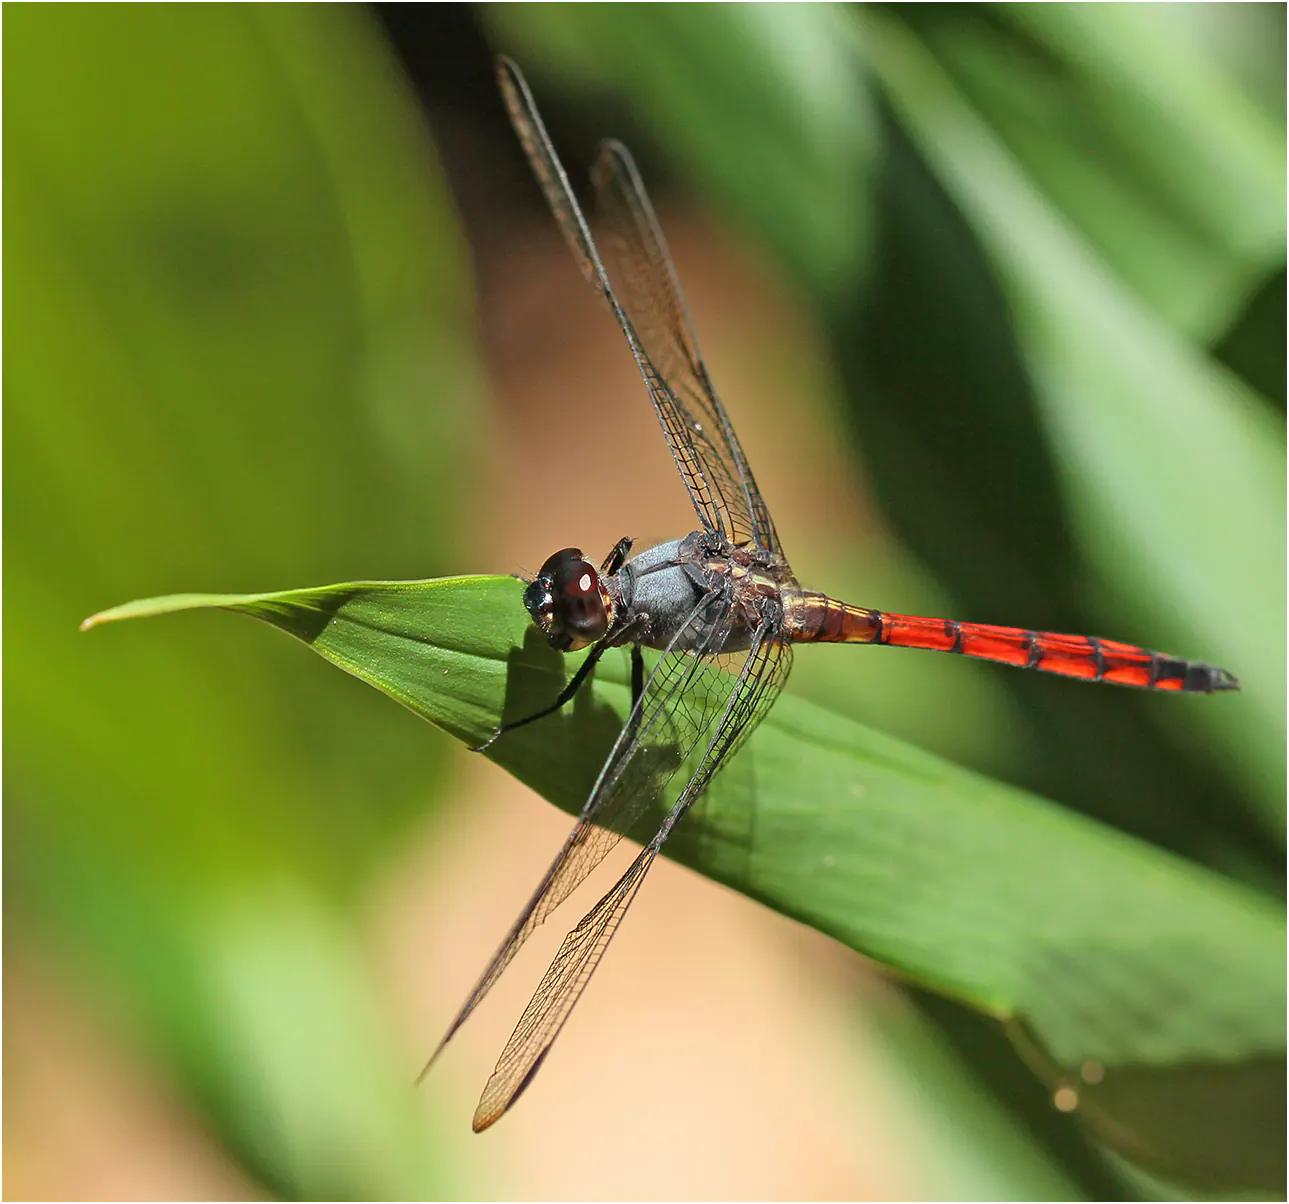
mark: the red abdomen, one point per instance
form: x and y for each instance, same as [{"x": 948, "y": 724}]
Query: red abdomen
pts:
[{"x": 816, "y": 617}]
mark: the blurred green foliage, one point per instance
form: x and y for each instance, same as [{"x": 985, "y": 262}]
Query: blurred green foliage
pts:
[
  {"x": 239, "y": 352},
  {"x": 1043, "y": 241}
]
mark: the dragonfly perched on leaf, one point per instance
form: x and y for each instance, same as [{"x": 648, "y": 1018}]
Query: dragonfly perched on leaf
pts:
[{"x": 721, "y": 607}]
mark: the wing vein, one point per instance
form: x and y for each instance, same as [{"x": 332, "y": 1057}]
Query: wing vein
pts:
[{"x": 745, "y": 701}]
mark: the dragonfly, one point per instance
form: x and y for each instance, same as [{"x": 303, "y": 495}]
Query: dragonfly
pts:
[{"x": 721, "y": 608}]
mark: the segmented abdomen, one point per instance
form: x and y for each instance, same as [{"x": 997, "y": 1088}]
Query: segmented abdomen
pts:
[{"x": 816, "y": 617}]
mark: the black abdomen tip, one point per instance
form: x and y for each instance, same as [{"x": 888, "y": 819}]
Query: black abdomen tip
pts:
[
  {"x": 1207, "y": 679},
  {"x": 1220, "y": 679}
]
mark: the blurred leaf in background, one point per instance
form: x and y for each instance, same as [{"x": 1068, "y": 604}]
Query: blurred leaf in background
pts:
[
  {"x": 1130, "y": 416},
  {"x": 239, "y": 352}
]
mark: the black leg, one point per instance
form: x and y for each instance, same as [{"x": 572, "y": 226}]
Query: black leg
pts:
[
  {"x": 637, "y": 688},
  {"x": 565, "y": 695},
  {"x": 637, "y": 674},
  {"x": 616, "y": 558}
]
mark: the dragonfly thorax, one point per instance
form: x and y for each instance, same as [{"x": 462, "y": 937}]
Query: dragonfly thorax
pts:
[{"x": 682, "y": 593}]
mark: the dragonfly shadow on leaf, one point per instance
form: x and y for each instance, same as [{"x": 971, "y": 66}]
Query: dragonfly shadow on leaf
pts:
[
  {"x": 719, "y": 835},
  {"x": 559, "y": 755}
]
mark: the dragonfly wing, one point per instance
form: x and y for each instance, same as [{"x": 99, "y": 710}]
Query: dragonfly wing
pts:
[
  {"x": 559, "y": 991},
  {"x": 681, "y": 699},
  {"x": 746, "y": 698},
  {"x": 710, "y": 463},
  {"x": 644, "y": 278}
]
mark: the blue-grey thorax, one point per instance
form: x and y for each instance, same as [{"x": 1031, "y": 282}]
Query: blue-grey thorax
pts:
[{"x": 668, "y": 582}]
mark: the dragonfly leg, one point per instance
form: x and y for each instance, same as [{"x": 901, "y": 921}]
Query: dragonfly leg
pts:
[
  {"x": 617, "y": 557},
  {"x": 565, "y": 696},
  {"x": 637, "y": 689},
  {"x": 623, "y": 634},
  {"x": 637, "y": 674}
]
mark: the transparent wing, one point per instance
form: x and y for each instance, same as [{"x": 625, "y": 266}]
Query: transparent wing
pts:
[
  {"x": 701, "y": 440},
  {"x": 747, "y": 698},
  {"x": 681, "y": 700},
  {"x": 644, "y": 278}
]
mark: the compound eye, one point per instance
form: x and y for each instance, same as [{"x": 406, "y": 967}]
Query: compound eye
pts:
[
  {"x": 566, "y": 603},
  {"x": 578, "y": 601}
]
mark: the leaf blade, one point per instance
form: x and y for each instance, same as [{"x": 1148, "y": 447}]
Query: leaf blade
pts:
[{"x": 976, "y": 889}]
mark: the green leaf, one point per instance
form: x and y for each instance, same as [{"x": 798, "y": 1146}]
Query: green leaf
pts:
[{"x": 1106, "y": 949}]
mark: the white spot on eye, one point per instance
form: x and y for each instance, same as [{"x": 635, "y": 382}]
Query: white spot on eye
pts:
[
  {"x": 698, "y": 426},
  {"x": 584, "y": 582}
]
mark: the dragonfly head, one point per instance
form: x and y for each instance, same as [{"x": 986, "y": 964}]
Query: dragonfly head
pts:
[{"x": 568, "y": 603}]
